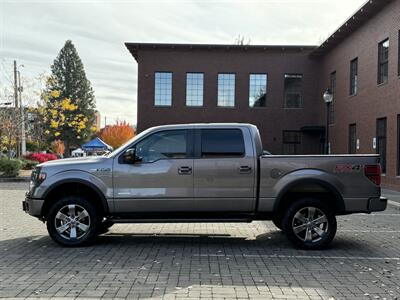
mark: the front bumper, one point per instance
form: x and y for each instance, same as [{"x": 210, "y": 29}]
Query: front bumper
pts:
[
  {"x": 377, "y": 204},
  {"x": 33, "y": 206}
]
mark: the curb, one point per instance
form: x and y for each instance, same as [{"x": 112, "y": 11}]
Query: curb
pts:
[{"x": 15, "y": 179}]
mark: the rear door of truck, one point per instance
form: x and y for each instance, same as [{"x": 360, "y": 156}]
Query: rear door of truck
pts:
[{"x": 224, "y": 170}]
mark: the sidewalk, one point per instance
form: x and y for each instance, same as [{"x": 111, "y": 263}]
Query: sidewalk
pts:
[{"x": 24, "y": 176}]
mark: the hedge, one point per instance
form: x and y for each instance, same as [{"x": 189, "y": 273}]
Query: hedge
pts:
[
  {"x": 10, "y": 167},
  {"x": 29, "y": 164}
]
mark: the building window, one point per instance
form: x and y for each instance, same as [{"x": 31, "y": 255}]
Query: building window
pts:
[
  {"x": 398, "y": 145},
  {"x": 398, "y": 56},
  {"x": 381, "y": 141},
  {"x": 226, "y": 90},
  {"x": 383, "y": 61},
  {"x": 258, "y": 90},
  {"x": 293, "y": 91},
  {"x": 353, "y": 76},
  {"x": 352, "y": 139},
  {"x": 333, "y": 91},
  {"x": 291, "y": 142},
  {"x": 194, "y": 89},
  {"x": 163, "y": 89}
]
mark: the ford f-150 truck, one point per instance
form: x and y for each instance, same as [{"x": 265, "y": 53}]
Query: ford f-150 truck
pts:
[{"x": 203, "y": 173}]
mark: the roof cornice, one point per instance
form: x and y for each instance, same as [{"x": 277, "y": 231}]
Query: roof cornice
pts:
[
  {"x": 362, "y": 15},
  {"x": 135, "y": 47}
]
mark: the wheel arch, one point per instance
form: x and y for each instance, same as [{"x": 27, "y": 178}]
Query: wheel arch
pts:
[
  {"x": 74, "y": 186},
  {"x": 309, "y": 187}
]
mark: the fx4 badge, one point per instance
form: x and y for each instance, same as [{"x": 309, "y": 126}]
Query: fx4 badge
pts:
[
  {"x": 347, "y": 168},
  {"x": 101, "y": 170}
]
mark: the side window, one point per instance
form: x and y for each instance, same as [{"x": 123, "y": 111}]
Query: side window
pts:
[
  {"x": 163, "y": 145},
  {"x": 222, "y": 143},
  {"x": 163, "y": 89},
  {"x": 383, "y": 61},
  {"x": 293, "y": 91},
  {"x": 291, "y": 142},
  {"x": 353, "y": 77},
  {"x": 352, "y": 138},
  {"x": 381, "y": 142}
]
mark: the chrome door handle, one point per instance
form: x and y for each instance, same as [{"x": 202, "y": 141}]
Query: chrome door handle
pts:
[
  {"x": 245, "y": 169},
  {"x": 184, "y": 170}
]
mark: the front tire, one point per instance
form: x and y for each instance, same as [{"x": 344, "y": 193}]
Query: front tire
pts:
[
  {"x": 72, "y": 221},
  {"x": 310, "y": 224},
  {"x": 104, "y": 226}
]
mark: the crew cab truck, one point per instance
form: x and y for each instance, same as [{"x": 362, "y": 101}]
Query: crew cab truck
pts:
[{"x": 203, "y": 173}]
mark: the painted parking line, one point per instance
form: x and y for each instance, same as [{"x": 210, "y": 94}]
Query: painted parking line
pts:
[
  {"x": 397, "y": 215},
  {"x": 274, "y": 256},
  {"x": 368, "y": 215},
  {"x": 397, "y": 204},
  {"x": 369, "y": 231}
]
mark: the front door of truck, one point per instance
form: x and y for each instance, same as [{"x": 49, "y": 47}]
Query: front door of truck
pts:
[
  {"x": 224, "y": 170},
  {"x": 162, "y": 178}
]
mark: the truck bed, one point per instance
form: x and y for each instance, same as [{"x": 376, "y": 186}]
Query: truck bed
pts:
[{"x": 344, "y": 173}]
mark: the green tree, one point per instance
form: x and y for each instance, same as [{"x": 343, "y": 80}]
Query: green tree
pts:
[{"x": 70, "y": 98}]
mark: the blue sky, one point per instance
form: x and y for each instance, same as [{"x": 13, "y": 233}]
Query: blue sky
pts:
[{"x": 32, "y": 32}]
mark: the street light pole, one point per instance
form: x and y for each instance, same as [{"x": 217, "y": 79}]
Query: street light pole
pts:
[
  {"x": 328, "y": 98},
  {"x": 327, "y": 150}
]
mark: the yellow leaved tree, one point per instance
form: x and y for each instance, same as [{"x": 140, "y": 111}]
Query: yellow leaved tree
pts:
[{"x": 62, "y": 118}]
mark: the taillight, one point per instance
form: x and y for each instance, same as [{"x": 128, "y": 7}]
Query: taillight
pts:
[{"x": 373, "y": 173}]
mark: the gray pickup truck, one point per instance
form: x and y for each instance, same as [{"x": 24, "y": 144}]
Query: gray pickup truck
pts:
[{"x": 203, "y": 173}]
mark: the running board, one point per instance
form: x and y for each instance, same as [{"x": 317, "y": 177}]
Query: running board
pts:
[{"x": 120, "y": 220}]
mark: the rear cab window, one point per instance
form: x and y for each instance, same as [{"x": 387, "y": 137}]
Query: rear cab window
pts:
[{"x": 219, "y": 143}]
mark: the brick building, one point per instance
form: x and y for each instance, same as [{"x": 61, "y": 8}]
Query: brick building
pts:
[{"x": 280, "y": 88}]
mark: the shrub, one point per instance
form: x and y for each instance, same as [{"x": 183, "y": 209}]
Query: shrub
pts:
[
  {"x": 41, "y": 157},
  {"x": 29, "y": 164},
  {"x": 9, "y": 167},
  {"x": 32, "y": 146}
]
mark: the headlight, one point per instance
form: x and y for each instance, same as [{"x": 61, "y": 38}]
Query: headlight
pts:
[
  {"x": 34, "y": 174},
  {"x": 37, "y": 177},
  {"x": 41, "y": 177},
  {"x": 31, "y": 185}
]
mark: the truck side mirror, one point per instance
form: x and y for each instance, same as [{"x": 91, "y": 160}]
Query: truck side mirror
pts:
[{"x": 130, "y": 156}]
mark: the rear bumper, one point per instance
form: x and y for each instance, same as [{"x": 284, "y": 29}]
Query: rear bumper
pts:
[
  {"x": 377, "y": 204},
  {"x": 33, "y": 206}
]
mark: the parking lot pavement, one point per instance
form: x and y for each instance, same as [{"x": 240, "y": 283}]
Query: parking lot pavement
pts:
[
  {"x": 393, "y": 196},
  {"x": 192, "y": 261}
]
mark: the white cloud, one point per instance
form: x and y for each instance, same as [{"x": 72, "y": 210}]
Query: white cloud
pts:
[{"x": 33, "y": 32}]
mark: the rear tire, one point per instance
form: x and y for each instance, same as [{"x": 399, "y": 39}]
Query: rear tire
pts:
[
  {"x": 278, "y": 222},
  {"x": 72, "y": 221},
  {"x": 310, "y": 224}
]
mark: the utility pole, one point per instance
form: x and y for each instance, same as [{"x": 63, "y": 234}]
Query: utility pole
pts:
[
  {"x": 105, "y": 121},
  {"x": 23, "y": 137},
  {"x": 16, "y": 104},
  {"x": 15, "y": 85}
]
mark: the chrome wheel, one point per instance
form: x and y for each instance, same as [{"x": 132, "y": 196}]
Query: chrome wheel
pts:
[
  {"x": 72, "y": 222},
  {"x": 310, "y": 224}
]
